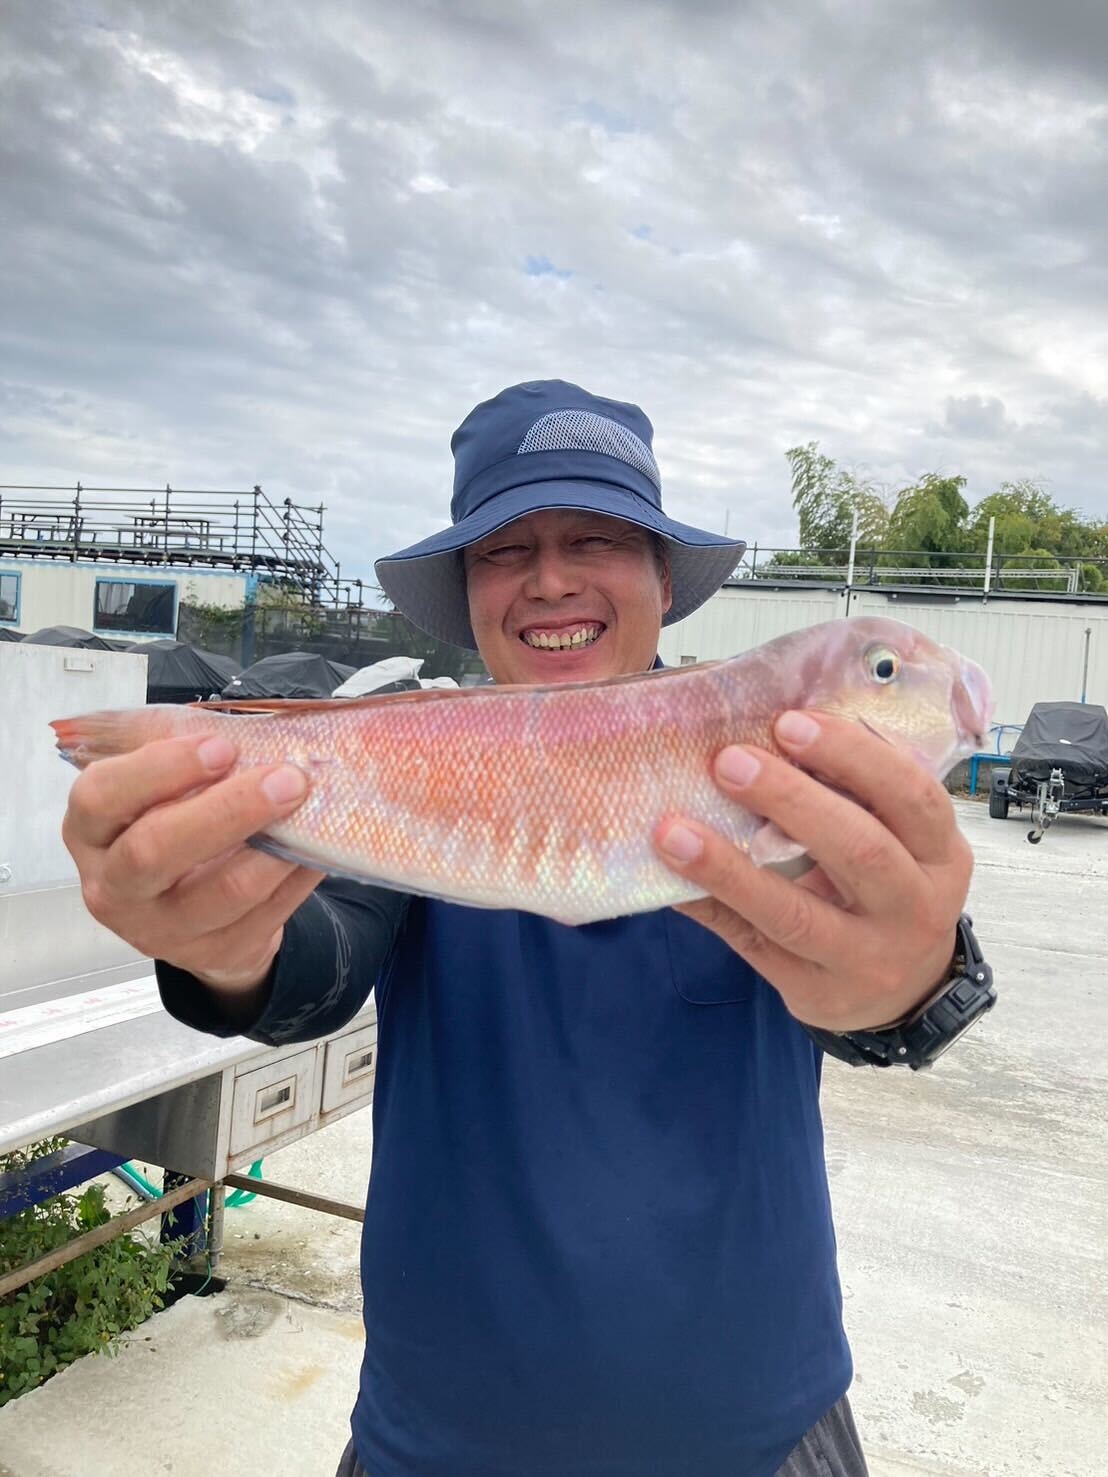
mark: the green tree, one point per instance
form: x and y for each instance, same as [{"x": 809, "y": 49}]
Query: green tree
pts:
[
  {"x": 1027, "y": 516},
  {"x": 929, "y": 519},
  {"x": 1031, "y": 528},
  {"x": 825, "y": 498},
  {"x": 932, "y": 520}
]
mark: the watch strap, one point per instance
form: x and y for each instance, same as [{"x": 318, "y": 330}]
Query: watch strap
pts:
[{"x": 919, "y": 1039}]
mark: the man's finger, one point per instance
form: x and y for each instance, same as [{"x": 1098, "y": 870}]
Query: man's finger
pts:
[
  {"x": 111, "y": 794},
  {"x": 761, "y": 953},
  {"x": 807, "y": 990},
  {"x": 883, "y": 778},
  {"x": 227, "y": 950},
  {"x": 794, "y": 920},
  {"x": 867, "y": 865},
  {"x": 227, "y": 889},
  {"x": 166, "y": 843}
]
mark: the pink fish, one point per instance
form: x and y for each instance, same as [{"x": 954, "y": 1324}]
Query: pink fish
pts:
[{"x": 545, "y": 798}]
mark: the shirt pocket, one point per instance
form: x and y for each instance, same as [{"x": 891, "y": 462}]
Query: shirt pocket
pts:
[{"x": 704, "y": 970}]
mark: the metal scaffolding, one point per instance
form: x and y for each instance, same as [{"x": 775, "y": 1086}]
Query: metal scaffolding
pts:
[{"x": 179, "y": 526}]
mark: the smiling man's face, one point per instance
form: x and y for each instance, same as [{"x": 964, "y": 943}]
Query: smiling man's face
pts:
[{"x": 566, "y": 596}]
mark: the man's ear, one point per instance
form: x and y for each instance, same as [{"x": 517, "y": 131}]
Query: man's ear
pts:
[{"x": 667, "y": 583}]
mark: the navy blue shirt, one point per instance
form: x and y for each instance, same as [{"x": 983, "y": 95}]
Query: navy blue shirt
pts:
[{"x": 598, "y": 1239}]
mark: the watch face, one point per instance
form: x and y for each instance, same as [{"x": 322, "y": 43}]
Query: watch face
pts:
[
  {"x": 942, "y": 1026},
  {"x": 944, "y": 1043}
]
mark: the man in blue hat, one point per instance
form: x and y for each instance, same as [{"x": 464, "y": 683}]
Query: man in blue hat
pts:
[{"x": 598, "y": 1236}]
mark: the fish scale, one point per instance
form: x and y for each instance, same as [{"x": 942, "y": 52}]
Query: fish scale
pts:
[{"x": 546, "y": 798}]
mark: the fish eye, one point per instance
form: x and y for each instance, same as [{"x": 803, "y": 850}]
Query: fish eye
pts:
[{"x": 883, "y": 663}]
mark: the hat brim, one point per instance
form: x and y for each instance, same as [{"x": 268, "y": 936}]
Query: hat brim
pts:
[{"x": 426, "y": 582}]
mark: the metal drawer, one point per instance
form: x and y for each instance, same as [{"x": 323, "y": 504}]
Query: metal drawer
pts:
[
  {"x": 349, "y": 1068},
  {"x": 271, "y": 1100}
]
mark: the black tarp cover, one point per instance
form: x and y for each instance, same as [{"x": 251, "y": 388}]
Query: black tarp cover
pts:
[
  {"x": 68, "y": 636},
  {"x": 297, "y": 674},
  {"x": 7, "y": 634},
  {"x": 179, "y": 673},
  {"x": 1072, "y": 737}
]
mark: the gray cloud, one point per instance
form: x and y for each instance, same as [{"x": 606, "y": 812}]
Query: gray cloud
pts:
[
  {"x": 1067, "y": 37},
  {"x": 265, "y": 244},
  {"x": 976, "y": 417}
]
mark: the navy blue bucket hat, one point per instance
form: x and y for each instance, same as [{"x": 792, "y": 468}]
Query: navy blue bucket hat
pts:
[{"x": 548, "y": 444}]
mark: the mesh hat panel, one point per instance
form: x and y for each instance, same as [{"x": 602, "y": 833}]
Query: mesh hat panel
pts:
[{"x": 584, "y": 430}]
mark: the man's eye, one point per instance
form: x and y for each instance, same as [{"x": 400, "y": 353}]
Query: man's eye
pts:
[
  {"x": 596, "y": 541},
  {"x": 503, "y": 552}
]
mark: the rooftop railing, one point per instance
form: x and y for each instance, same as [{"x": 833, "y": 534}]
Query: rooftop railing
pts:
[
  {"x": 167, "y": 525},
  {"x": 872, "y": 568},
  {"x": 247, "y": 529}
]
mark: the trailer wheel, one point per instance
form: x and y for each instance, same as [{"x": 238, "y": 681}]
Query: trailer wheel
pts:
[{"x": 998, "y": 794}]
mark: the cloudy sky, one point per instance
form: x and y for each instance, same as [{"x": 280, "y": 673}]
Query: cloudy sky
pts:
[{"x": 293, "y": 244}]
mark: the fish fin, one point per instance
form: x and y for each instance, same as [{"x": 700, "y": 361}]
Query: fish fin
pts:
[
  {"x": 244, "y": 705},
  {"x": 793, "y": 867},
  {"x": 90, "y": 736},
  {"x": 329, "y": 704},
  {"x": 71, "y": 736},
  {"x": 780, "y": 853},
  {"x": 431, "y": 694},
  {"x": 285, "y": 853},
  {"x": 656, "y": 674}
]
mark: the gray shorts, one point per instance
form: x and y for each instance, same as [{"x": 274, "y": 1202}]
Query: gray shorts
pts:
[{"x": 830, "y": 1449}]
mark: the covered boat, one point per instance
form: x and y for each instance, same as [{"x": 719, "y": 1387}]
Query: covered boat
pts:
[{"x": 292, "y": 674}]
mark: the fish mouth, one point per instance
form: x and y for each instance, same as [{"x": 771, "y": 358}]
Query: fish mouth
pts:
[
  {"x": 971, "y": 703},
  {"x": 562, "y": 635}
]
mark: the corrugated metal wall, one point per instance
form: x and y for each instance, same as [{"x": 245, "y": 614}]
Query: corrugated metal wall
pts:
[
  {"x": 1033, "y": 651},
  {"x": 736, "y": 620}
]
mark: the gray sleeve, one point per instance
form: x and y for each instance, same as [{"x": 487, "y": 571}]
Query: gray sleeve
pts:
[{"x": 334, "y": 948}]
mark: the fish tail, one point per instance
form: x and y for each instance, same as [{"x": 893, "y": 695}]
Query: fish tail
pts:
[{"x": 90, "y": 736}]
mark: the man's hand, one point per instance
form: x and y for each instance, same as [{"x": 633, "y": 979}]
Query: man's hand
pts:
[
  {"x": 867, "y": 936},
  {"x": 158, "y": 837}
]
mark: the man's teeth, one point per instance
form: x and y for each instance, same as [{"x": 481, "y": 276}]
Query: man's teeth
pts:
[{"x": 563, "y": 640}]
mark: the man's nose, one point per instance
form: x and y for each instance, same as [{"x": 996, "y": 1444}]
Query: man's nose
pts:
[{"x": 551, "y": 576}]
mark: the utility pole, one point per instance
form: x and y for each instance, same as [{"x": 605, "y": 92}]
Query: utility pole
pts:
[
  {"x": 850, "y": 562},
  {"x": 989, "y": 556}
]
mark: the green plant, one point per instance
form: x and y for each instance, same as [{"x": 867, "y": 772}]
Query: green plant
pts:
[
  {"x": 826, "y": 498},
  {"x": 212, "y": 627},
  {"x": 1039, "y": 564},
  {"x": 83, "y": 1306}
]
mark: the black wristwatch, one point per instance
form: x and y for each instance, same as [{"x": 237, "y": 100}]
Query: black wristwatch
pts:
[{"x": 920, "y": 1040}]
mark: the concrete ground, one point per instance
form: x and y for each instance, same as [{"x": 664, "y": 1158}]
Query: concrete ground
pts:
[{"x": 971, "y": 1204}]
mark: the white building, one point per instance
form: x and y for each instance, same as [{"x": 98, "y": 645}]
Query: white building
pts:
[
  {"x": 121, "y": 563},
  {"x": 111, "y": 599}
]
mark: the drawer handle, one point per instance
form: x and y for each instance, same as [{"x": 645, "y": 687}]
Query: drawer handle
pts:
[
  {"x": 275, "y": 1099},
  {"x": 358, "y": 1064}
]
